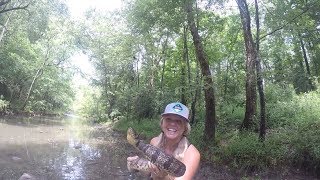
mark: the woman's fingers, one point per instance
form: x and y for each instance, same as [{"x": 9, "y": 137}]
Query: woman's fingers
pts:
[
  {"x": 153, "y": 168},
  {"x": 132, "y": 158}
]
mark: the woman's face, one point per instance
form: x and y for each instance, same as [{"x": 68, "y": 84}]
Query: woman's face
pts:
[{"x": 173, "y": 126}]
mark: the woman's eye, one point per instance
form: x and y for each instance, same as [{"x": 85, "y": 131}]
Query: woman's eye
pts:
[{"x": 177, "y": 121}]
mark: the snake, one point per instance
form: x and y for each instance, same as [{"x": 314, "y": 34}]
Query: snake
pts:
[{"x": 154, "y": 155}]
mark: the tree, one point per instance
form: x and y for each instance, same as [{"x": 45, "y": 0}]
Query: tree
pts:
[
  {"x": 210, "y": 118},
  {"x": 260, "y": 78},
  {"x": 251, "y": 56}
]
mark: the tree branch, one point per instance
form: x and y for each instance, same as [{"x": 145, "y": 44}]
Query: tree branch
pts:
[
  {"x": 14, "y": 8},
  {"x": 281, "y": 27}
]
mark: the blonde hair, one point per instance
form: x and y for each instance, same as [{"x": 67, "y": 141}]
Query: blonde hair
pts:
[{"x": 187, "y": 127}]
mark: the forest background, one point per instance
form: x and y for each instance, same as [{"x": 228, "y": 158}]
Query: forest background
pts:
[{"x": 249, "y": 71}]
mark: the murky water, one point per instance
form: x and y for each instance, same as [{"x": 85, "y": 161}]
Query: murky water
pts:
[{"x": 67, "y": 148}]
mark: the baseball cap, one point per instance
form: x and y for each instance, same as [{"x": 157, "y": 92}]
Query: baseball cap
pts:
[{"x": 178, "y": 109}]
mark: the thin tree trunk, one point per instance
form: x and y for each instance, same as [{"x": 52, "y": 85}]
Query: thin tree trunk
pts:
[
  {"x": 183, "y": 67},
  {"x": 304, "y": 53},
  {"x": 151, "y": 73},
  {"x": 195, "y": 97},
  {"x": 187, "y": 55},
  {"x": 262, "y": 131},
  {"x": 31, "y": 86},
  {"x": 224, "y": 94},
  {"x": 164, "y": 47},
  {"x": 138, "y": 78},
  {"x": 210, "y": 118},
  {"x": 37, "y": 75},
  {"x": 4, "y": 29},
  {"x": 163, "y": 69},
  {"x": 250, "y": 66}
]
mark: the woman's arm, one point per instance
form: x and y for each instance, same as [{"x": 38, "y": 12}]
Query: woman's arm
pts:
[{"x": 191, "y": 160}]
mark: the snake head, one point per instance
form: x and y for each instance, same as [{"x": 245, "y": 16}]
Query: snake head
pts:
[{"x": 132, "y": 136}]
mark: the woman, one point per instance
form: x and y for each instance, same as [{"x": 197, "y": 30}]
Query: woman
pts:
[{"x": 175, "y": 127}]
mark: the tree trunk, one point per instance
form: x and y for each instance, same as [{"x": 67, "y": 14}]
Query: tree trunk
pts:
[
  {"x": 262, "y": 131},
  {"x": 183, "y": 67},
  {"x": 164, "y": 57},
  {"x": 4, "y": 28},
  {"x": 304, "y": 53},
  {"x": 138, "y": 78},
  {"x": 31, "y": 86},
  {"x": 210, "y": 118},
  {"x": 187, "y": 53},
  {"x": 251, "y": 56},
  {"x": 195, "y": 97}
]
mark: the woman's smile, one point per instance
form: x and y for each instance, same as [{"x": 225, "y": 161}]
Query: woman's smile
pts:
[{"x": 173, "y": 126}]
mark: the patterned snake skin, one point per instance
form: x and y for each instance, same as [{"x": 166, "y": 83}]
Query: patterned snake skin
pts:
[{"x": 154, "y": 155}]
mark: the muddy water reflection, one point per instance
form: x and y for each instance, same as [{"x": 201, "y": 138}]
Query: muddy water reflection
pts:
[{"x": 52, "y": 148}]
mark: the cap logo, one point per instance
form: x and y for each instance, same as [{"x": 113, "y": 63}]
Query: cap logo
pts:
[{"x": 177, "y": 108}]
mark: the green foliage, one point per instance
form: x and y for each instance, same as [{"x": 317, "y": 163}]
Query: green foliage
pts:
[
  {"x": 54, "y": 95},
  {"x": 304, "y": 145},
  {"x": 88, "y": 104},
  {"x": 230, "y": 116},
  {"x": 144, "y": 104},
  {"x": 292, "y": 138},
  {"x": 244, "y": 152},
  {"x": 34, "y": 57},
  {"x": 301, "y": 108},
  {"x": 196, "y": 135},
  {"x": 278, "y": 93},
  {"x": 3, "y": 104},
  {"x": 145, "y": 16},
  {"x": 247, "y": 153},
  {"x": 148, "y": 128}
]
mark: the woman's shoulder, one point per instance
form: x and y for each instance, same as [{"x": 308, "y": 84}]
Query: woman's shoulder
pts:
[
  {"x": 155, "y": 140},
  {"x": 193, "y": 150}
]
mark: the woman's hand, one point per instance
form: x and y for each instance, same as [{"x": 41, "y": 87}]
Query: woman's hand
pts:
[{"x": 129, "y": 160}]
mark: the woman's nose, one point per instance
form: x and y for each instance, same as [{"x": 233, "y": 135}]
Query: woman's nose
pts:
[{"x": 174, "y": 121}]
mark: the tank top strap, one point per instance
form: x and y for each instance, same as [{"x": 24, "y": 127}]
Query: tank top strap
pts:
[
  {"x": 181, "y": 149},
  {"x": 159, "y": 140}
]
